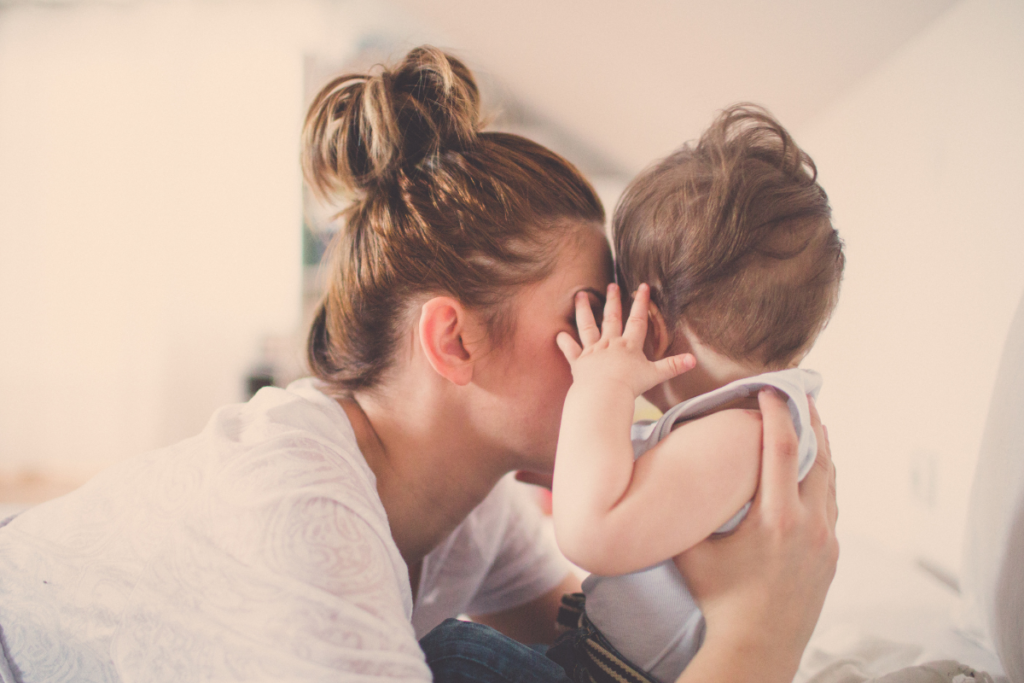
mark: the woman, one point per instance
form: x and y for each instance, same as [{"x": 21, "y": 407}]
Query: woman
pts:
[{"x": 316, "y": 532}]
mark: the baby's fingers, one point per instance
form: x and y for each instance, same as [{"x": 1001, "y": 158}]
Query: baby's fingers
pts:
[
  {"x": 585, "y": 323},
  {"x": 611, "y": 323},
  {"x": 636, "y": 325},
  {"x": 568, "y": 346},
  {"x": 673, "y": 366}
]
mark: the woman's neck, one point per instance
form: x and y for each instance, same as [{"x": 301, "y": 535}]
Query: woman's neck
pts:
[{"x": 429, "y": 476}]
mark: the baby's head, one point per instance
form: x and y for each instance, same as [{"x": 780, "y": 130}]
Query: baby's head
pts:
[{"x": 734, "y": 236}]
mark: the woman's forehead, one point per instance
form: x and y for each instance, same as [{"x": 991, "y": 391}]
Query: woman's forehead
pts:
[
  {"x": 583, "y": 264},
  {"x": 589, "y": 252}
]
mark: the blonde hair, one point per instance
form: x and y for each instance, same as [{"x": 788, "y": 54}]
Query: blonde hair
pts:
[{"x": 439, "y": 206}]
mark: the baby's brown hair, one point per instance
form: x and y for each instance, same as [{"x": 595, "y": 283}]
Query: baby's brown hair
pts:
[{"x": 734, "y": 236}]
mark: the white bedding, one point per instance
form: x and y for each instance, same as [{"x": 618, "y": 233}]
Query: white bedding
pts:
[
  {"x": 884, "y": 612},
  {"x": 887, "y": 613},
  {"x": 8, "y": 509}
]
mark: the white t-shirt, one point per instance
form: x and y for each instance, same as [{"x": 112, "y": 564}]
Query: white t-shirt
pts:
[{"x": 257, "y": 550}]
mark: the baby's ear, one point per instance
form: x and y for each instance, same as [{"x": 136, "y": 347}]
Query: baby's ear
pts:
[{"x": 658, "y": 336}]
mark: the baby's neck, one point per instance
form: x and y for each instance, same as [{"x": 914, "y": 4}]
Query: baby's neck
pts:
[
  {"x": 713, "y": 370},
  {"x": 696, "y": 382}
]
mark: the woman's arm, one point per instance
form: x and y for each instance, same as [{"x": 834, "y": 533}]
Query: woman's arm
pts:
[
  {"x": 761, "y": 588},
  {"x": 613, "y": 516}
]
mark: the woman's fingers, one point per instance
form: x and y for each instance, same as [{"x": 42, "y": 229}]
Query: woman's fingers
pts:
[
  {"x": 833, "y": 507},
  {"x": 636, "y": 325},
  {"x": 817, "y": 485},
  {"x": 568, "y": 346},
  {"x": 611, "y": 323},
  {"x": 778, "y": 489},
  {"x": 772, "y": 574},
  {"x": 585, "y": 323}
]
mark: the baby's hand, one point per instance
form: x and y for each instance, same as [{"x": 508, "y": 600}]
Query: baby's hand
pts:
[{"x": 611, "y": 355}]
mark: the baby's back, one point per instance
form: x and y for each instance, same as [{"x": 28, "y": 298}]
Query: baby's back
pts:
[{"x": 649, "y": 615}]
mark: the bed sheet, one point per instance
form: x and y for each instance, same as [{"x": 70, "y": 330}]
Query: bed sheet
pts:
[
  {"x": 8, "y": 509},
  {"x": 885, "y": 612}
]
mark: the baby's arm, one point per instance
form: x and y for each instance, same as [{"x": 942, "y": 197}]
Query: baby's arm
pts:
[{"x": 611, "y": 516}]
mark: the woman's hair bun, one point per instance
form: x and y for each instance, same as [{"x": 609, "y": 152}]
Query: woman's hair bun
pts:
[{"x": 365, "y": 130}]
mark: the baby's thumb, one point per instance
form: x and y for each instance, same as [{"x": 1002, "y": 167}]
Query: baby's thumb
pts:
[{"x": 673, "y": 366}]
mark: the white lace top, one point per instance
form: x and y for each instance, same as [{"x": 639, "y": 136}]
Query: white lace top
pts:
[{"x": 257, "y": 550}]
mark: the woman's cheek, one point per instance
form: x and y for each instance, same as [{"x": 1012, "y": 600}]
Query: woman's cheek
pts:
[{"x": 560, "y": 377}]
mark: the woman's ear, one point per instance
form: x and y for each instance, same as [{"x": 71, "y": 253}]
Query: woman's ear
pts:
[{"x": 443, "y": 324}]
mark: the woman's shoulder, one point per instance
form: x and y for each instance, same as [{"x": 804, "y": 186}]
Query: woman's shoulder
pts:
[
  {"x": 300, "y": 408},
  {"x": 294, "y": 443},
  {"x": 299, "y": 429},
  {"x": 288, "y": 489}
]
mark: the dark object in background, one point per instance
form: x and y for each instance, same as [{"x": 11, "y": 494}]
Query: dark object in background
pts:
[{"x": 258, "y": 377}]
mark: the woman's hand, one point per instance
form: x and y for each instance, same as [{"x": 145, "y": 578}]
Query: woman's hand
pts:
[
  {"x": 762, "y": 588},
  {"x": 613, "y": 355}
]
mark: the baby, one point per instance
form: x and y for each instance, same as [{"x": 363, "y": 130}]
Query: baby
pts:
[{"x": 735, "y": 267}]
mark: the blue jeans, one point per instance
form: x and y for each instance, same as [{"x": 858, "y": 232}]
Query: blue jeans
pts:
[{"x": 461, "y": 652}]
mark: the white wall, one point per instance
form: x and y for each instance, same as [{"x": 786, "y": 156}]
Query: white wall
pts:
[
  {"x": 924, "y": 163},
  {"x": 149, "y": 218},
  {"x": 150, "y": 210}
]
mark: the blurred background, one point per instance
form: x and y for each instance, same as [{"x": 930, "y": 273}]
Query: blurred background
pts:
[{"x": 158, "y": 256}]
